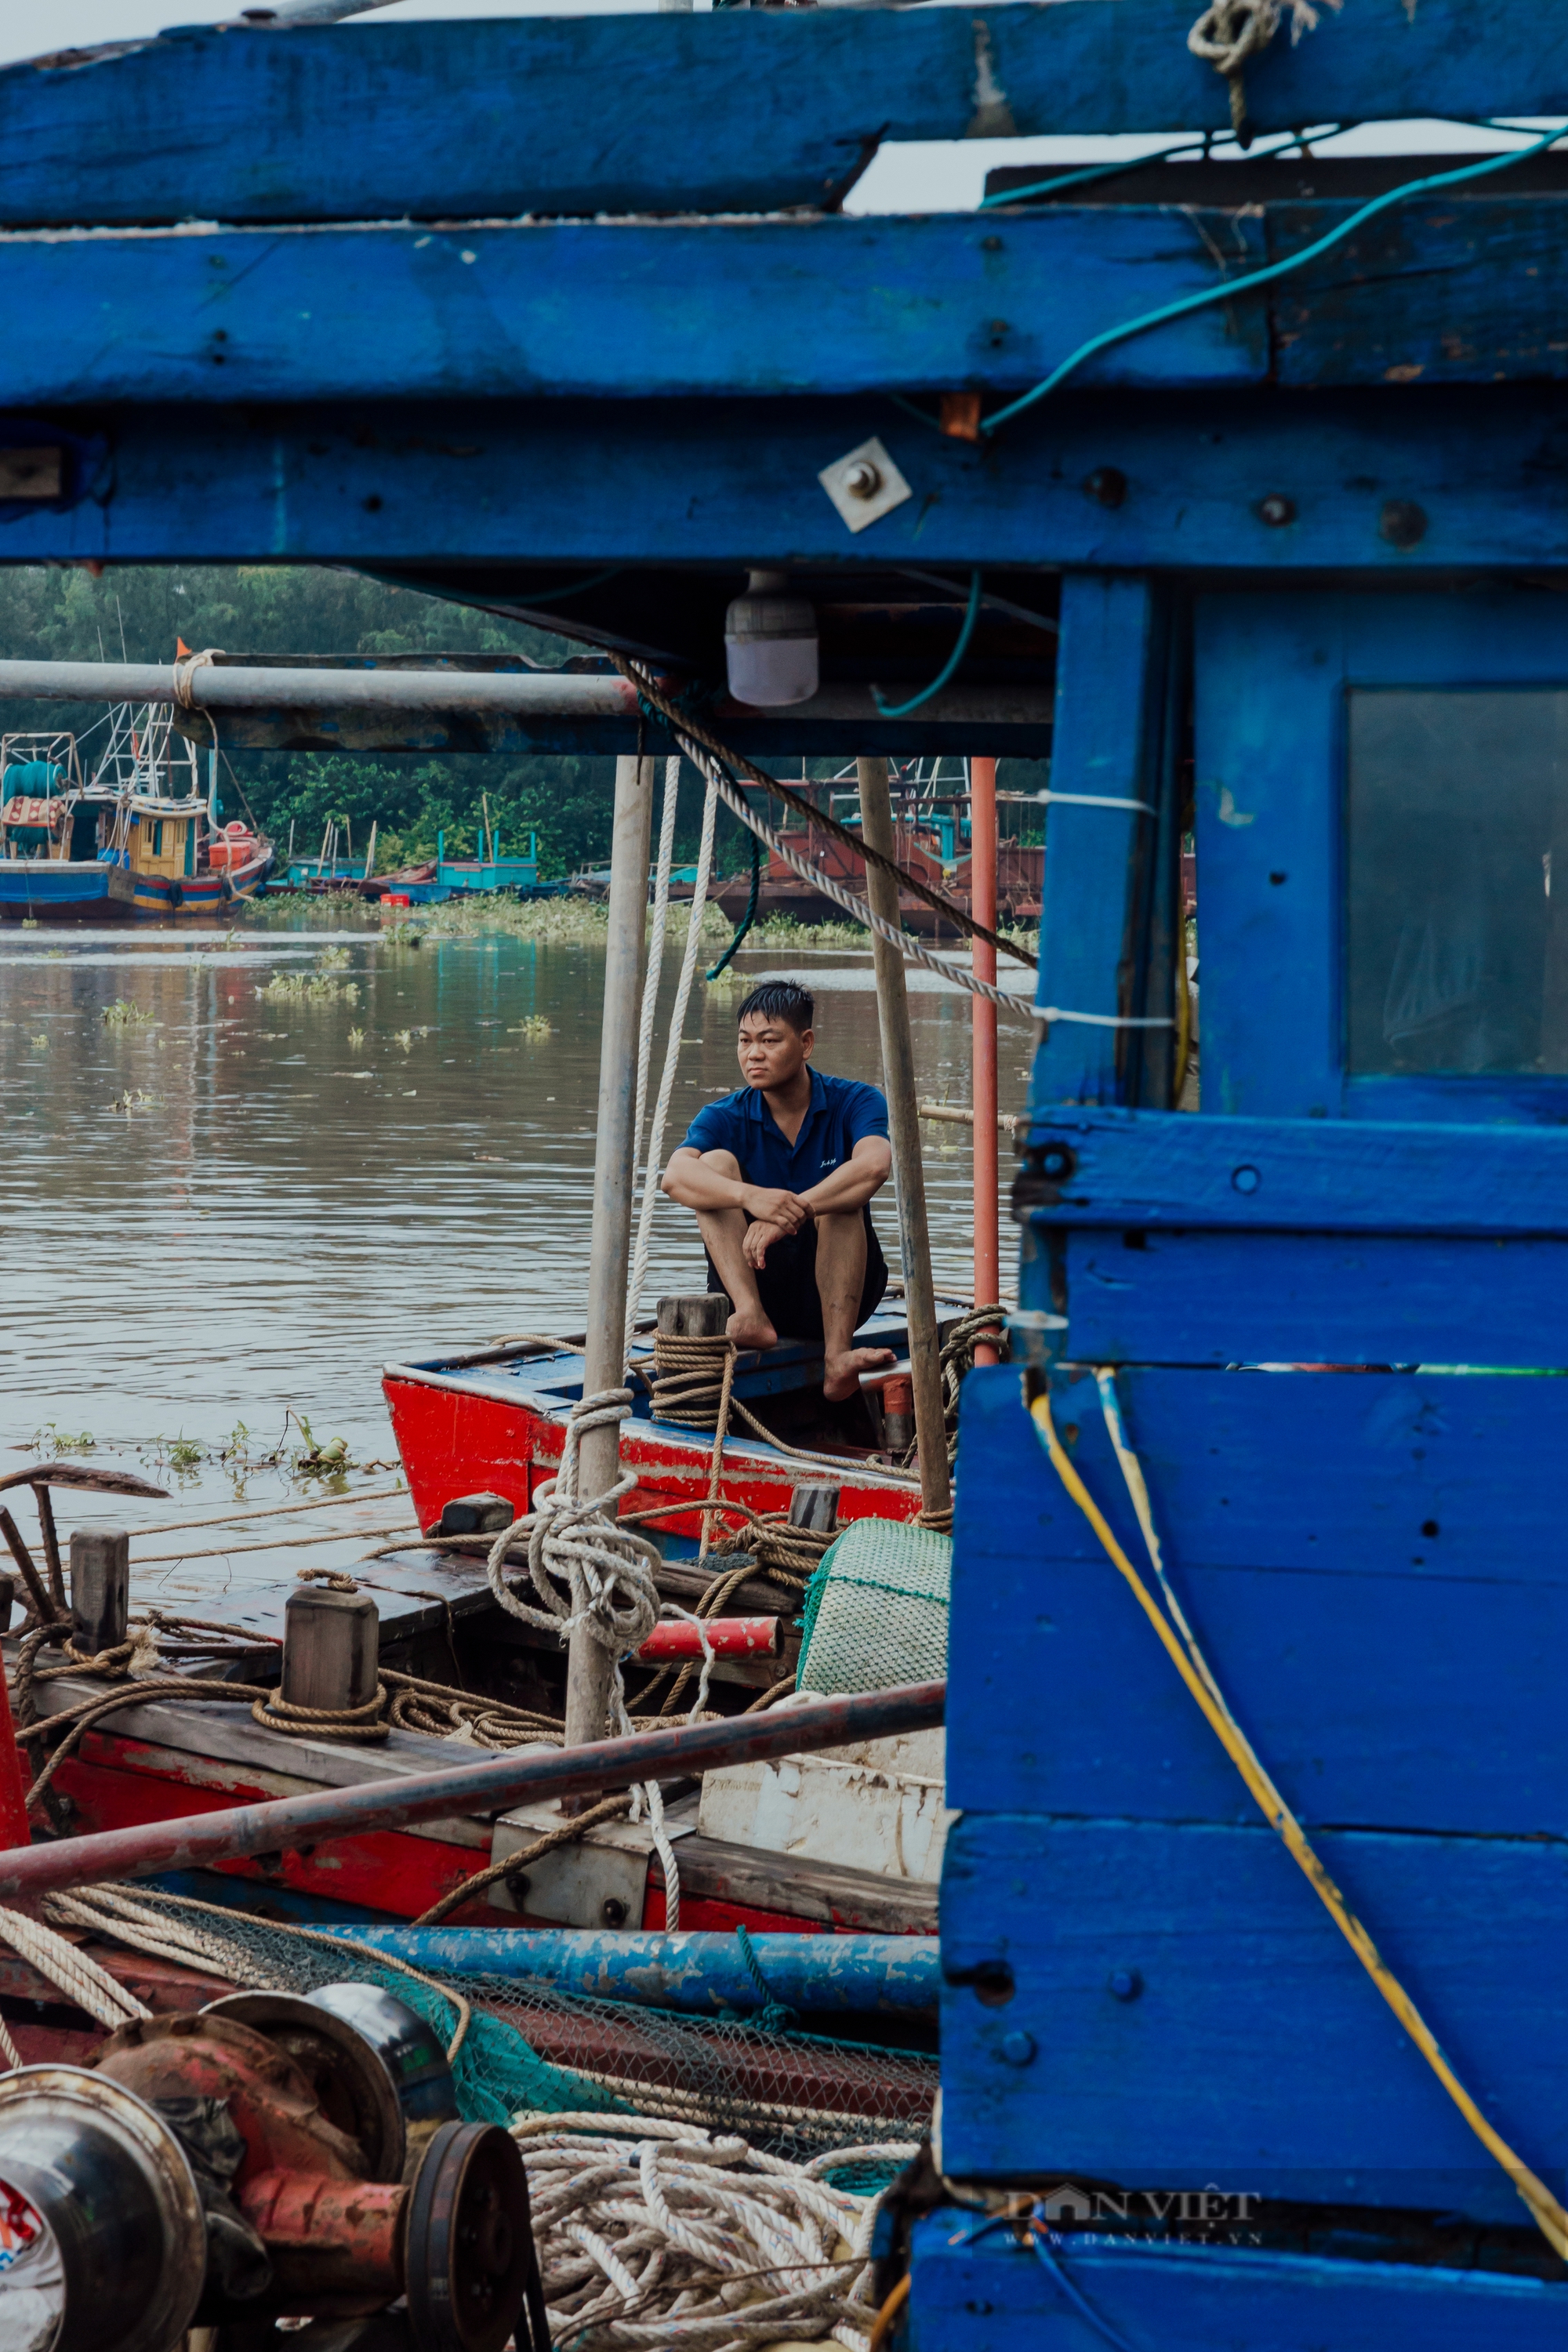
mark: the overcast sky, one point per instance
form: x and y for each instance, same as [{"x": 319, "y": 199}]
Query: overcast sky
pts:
[{"x": 938, "y": 177}]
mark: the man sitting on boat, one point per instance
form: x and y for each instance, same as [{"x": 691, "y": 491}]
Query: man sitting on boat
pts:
[{"x": 781, "y": 1174}]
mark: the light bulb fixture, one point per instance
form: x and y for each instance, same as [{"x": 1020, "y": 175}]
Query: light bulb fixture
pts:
[{"x": 770, "y": 643}]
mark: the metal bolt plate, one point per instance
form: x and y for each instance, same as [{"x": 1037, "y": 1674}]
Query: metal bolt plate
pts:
[{"x": 844, "y": 481}]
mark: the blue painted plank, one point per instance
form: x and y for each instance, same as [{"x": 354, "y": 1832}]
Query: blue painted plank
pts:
[
  {"x": 988, "y": 2292},
  {"x": 587, "y": 309},
  {"x": 1255, "y": 2051},
  {"x": 818, "y": 307},
  {"x": 1248, "y": 1298},
  {"x": 1255, "y": 1175},
  {"x": 1108, "y": 669},
  {"x": 1372, "y": 1562},
  {"x": 592, "y": 483},
  {"x": 738, "y": 110}
]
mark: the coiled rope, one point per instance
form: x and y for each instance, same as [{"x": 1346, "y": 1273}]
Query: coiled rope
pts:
[
  {"x": 608, "y": 1573},
  {"x": 1182, "y": 1647},
  {"x": 650, "y": 2231}
]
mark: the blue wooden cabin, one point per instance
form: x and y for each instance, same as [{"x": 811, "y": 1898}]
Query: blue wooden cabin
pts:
[{"x": 1286, "y": 570}]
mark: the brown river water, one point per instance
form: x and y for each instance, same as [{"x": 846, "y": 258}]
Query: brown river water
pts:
[{"x": 224, "y": 1205}]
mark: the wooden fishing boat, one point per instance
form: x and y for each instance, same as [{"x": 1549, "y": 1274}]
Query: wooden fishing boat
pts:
[{"x": 138, "y": 841}]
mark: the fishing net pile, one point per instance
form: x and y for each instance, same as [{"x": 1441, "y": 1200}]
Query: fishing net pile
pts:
[
  {"x": 876, "y": 1608},
  {"x": 521, "y": 2048}
]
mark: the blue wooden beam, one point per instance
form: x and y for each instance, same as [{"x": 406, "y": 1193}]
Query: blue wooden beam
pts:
[
  {"x": 738, "y": 110},
  {"x": 716, "y": 483},
  {"x": 1109, "y": 667},
  {"x": 1469, "y": 291}
]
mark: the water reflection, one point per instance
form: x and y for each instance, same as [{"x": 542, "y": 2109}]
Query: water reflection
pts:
[{"x": 236, "y": 1196}]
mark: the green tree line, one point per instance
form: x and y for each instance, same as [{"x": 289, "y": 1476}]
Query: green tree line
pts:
[{"x": 140, "y": 612}]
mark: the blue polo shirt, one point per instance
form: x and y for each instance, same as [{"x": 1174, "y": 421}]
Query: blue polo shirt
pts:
[{"x": 842, "y": 1111}]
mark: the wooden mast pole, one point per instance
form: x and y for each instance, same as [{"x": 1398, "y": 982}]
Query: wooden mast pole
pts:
[
  {"x": 903, "y": 1122},
  {"x": 983, "y": 1015},
  {"x": 589, "y": 1666}
]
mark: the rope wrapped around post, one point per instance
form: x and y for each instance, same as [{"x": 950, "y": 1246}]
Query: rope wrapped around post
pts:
[
  {"x": 608, "y": 1573},
  {"x": 1231, "y": 32}
]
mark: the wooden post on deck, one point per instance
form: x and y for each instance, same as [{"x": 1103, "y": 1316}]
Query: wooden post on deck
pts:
[
  {"x": 903, "y": 1122},
  {"x": 589, "y": 1666},
  {"x": 331, "y": 1643},
  {"x": 101, "y": 1588}
]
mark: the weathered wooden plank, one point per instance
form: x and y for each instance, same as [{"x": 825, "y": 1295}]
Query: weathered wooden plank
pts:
[
  {"x": 1216, "y": 1298},
  {"x": 1162, "y": 1169},
  {"x": 474, "y": 484},
  {"x": 979, "y": 2293},
  {"x": 510, "y": 311},
  {"x": 742, "y": 110},
  {"x": 1245, "y": 2046},
  {"x": 1373, "y": 1563},
  {"x": 1471, "y": 293},
  {"x": 1108, "y": 676}
]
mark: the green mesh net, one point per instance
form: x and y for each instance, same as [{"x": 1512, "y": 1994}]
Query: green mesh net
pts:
[
  {"x": 532, "y": 2047},
  {"x": 876, "y": 1610}
]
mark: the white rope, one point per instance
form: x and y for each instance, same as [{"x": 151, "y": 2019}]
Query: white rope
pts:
[
  {"x": 652, "y": 2232},
  {"x": 83, "y": 1982},
  {"x": 671, "y": 1058},
  {"x": 608, "y": 1573},
  {"x": 651, "y": 982},
  {"x": 105, "y": 1911}
]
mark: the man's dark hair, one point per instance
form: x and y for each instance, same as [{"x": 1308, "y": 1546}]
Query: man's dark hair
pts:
[{"x": 781, "y": 1000}]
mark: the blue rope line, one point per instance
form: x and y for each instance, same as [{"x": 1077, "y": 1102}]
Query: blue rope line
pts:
[
  {"x": 1092, "y": 171},
  {"x": 776, "y": 2016},
  {"x": 1235, "y": 286},
  {"x": 902, "y": 710},
  {"x": 750, "y": 916},
  {"x": 1039, "y": 2235}
]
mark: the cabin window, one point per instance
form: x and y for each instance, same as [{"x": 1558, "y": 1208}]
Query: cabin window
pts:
[
  {"x": 1457, "y": 875},
  {"x": 158, "y": 838}
]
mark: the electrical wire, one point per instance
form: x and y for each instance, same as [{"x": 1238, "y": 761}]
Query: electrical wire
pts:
[
  {"x": 1231, "y": 288},
  {"x": 902, "y": 710}
]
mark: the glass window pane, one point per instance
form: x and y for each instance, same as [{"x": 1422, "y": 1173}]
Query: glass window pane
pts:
[{"x": 1458, "y": 934}]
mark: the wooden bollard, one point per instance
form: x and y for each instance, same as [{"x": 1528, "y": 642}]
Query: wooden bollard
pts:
[
  {"x": 694, "y": 1314},
  {"x": 101, "y": 1588},
  {"x": 815, "y": 1508},
  {"x": 474, "y": 1515},
  {"x": 330, "y": 1643}
]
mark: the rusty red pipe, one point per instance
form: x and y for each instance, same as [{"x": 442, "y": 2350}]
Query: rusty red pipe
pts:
[{"x": 198, "y": 1839}]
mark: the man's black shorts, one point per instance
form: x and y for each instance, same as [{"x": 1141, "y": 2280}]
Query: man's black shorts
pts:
[{"x": 786, "y": 1284}]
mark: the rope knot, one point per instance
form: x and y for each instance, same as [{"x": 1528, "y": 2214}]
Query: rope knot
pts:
[
  {"x": 1230, "y": 33},
  {"x": 184, "y": 673},
  {"x": 336, "y": 1579}
]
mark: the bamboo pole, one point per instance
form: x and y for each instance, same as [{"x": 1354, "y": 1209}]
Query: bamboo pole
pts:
[
  {"x": 903, "y": 1121},
  {"x": 983, "y": 1047},
  {"x": 589, "y": 1666}
]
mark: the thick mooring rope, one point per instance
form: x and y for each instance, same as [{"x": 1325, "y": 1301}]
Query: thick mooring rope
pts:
[{"x": 652, "y": 2232}]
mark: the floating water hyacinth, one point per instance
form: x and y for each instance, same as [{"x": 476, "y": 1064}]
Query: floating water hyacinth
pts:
[{"x": 123, "y": 1014}]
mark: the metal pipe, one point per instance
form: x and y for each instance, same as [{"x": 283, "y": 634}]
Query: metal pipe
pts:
[
  {"x": 196, "y": 1841},
  {"x": 982, "y": 1045},
  {"x": 241, "y": 687},
  {"x": 728, "y": 1637},
  {"x": 589, "y": 1666},
  {"x": 701, "y": 1973},
  {"x": 542, "y": 694},
  {"x": 904, "y": 1127}
]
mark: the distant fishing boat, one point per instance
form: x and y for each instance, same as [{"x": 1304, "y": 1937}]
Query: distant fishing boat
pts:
[{"x": 138, "y": 841}]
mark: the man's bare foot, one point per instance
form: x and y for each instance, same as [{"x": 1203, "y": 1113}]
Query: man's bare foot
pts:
[
  {"x": 752, "y": 1329},
  {"x": 841, "y": 1374}
]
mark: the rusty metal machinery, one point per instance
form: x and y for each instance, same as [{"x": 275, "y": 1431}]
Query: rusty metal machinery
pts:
[{"x": 267, "y": 2158}]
